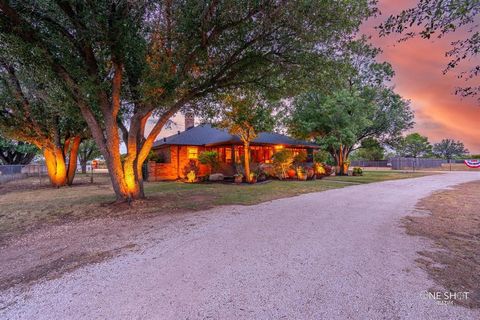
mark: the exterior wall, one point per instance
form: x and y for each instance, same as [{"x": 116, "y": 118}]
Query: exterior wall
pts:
[{"x": 177, "y": 157}]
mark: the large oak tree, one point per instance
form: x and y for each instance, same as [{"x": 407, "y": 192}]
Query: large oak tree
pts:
[
  {"x": 35, "y": 109},
  {"x": 124, "y": 61},
  {"x": 363, "y": 106}
]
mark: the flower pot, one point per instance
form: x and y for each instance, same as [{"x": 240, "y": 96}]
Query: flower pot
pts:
[
  {"x": 291, "y": 173},
  {"x": 238, "y": 179}
]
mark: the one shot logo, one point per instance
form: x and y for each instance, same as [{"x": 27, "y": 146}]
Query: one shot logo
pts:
[{"x": 445, "y": 297}]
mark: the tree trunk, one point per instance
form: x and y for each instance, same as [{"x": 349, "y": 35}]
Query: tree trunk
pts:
[
  {"x": 55, "y": 162},
  {"x": 341, "y": 157},
  {"x": 72, "y": 160},
  {"x": 246, "y": 146},
  {"x": 83, "y": 165}
]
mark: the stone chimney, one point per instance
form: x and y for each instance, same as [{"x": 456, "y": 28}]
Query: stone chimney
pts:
[{"x": 189, "y": 120}]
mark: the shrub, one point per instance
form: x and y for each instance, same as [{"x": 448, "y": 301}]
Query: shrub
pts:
[
  {"x": 357, "y": 171},
  {"x": 299, "y": 159},
  {"x": 191, "y": 166},
  {"x": 282, "y": 160},
  {"x": 210, "y": 159},
  {"x": 155, "y": 157},
  {"x": 328, "y": 169},
  {"x": 323, "y": 156}
]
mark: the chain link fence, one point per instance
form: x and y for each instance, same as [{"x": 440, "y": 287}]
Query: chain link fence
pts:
[{"x": 17, "y": 172}]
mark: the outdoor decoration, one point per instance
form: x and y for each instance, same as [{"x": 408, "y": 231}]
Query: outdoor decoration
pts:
[
  {"x": 191, "y": 176},
  {"x": 301, "y": 174},
  {"x": 473, "y": 163},
  {"x": 238, "y": 178},
  {"x": 291, "y": 173},
  {"x": 253, "y": 178}
]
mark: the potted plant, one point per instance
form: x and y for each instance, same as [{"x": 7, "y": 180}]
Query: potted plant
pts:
[
  {"x": 311, "y": 174},
  {"x": 357, "y": 171},
  {"x": 301, "y": 174},
  {"x": 253, "y": 178},
  {"x": 238, "y": 178},
  {"x": 319, "y": 170},
  {"x": 291, "y": 173},
  {"x": 191, "y": 176}
]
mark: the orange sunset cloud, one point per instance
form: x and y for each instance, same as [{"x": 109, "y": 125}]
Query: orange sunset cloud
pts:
[{"x": 419, "y": 65}]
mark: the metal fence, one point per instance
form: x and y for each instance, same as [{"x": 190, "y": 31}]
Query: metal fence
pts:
[
  {"x": 416, "y": 163},
  {"x": 369, "y": 163},
  {"x": 17, "y": 172}
]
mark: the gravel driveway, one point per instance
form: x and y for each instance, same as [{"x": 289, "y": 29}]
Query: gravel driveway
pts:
[{"x": 339, "y": 254}]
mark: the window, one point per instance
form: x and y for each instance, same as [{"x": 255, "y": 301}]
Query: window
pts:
[
  {"x": 192, "y": 152},
  {"x": 228, "y": 155}
]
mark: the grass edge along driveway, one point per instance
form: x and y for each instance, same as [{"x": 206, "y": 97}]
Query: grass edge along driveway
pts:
[{"x": 26, "y": 206}]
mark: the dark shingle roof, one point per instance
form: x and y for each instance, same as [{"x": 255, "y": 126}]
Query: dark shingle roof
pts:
[{"x": 206, "y": 135}]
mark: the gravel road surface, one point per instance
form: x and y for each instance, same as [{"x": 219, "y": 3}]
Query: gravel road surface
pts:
[{"x": 339, "y": 254}]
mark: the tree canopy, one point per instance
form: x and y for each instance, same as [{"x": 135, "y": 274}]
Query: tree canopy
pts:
[
  {"x": 246, "y": 114},
  {"x": 16, "y": 152},
  {"x": 449, "y": 149},
  {"x": 124, "y": 61},
  {"x": 413, "y": 145},
  {"x": 34, "y": 108},
  {"x": 363, "y": 106},
  {"x": 370, "y": 149}
]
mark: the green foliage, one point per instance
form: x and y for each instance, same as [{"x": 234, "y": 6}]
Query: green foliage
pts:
[
  {"x": 449, "y": 149},
  {"x": 245, "y": 115},
  {"x": 34, "y": 107},
  {"x": 16, "y": 152},
  {"x": 362, "y": 106},
  {"x": 159, "y": 56},
  {"x": 414, "y": 145},
  {"x": 209, "y": 158},
  {"x": 370, "y": 149},
  {"x": 299, "y": 159},
  {"x": 321, "y": 156},
  {"x": 282, "y": 160},
  {"x": 155, "y": 157},
  {"x": 333, "y": 121},
  {"x": 437, "y": 18},
  {"x": 357, "y": 171}
]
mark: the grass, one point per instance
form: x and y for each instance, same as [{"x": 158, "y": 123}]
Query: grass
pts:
[{"x": 27, "y": 204}]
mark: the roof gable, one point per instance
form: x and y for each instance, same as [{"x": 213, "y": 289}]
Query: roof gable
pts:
[{"x": 206, "y": 135}]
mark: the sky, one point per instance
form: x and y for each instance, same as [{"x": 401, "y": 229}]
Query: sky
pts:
[{"x": 418, "y": 65}]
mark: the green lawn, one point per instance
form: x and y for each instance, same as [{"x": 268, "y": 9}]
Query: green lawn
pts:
[
  {"x": 26, "y": 204},
  {"x": 209, "y": 195}
]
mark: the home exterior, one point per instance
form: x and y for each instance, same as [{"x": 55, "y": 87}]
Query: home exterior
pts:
[{"x": 178, "y": 150}]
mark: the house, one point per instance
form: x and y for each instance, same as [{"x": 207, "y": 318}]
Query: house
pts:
[{"x": 178, "y": 150}]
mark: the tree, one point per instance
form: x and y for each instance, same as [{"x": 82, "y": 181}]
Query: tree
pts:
[
  {"x": 449, "y": 149},
  {"x": 16, "y": 152},
  {"x": 362, "y": 106},
  {"x": 88, "y": 151},
  {"x": 245, "y": 115},
  {"x": 341, "y": 121},
  {"x": 436, "y": 18},
  {"x": 370, "y": 149},
  {"x": 123, "y": 61},
  {"x": 414, "y": 145},
  {"x": 34, "y": 109}
]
